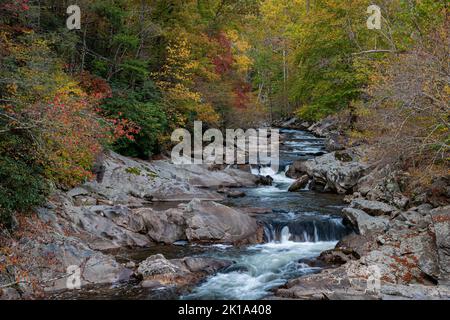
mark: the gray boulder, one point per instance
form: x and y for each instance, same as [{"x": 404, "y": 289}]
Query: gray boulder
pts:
[
  {"x": 213, "y": 222},
  {"x": 296, "y": 170},
  {"x": 299, "y": 184},
  {"x": 157, "y": 270},
  {"x": 201, "y": 221},
  {"x": 335, "y": 175},
  {"x": 373, "y": 208},
  {"x": 364, "y": 223}
]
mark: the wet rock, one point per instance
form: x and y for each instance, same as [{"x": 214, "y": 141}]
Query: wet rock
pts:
[
  {"x": 208, "y": 265},
  {"x": 236, "y": 194},
  {"x": 254, "y": 211},
  {"x": 231, "y": 193},
  {"x": 337, "y": 257},
  {"x": 299, "y": 184},
  {"x": 151, "y": 284},
  {"x": 157, "y": 270},
  {"x": 296, "y": 170},
  {"x": 264, "y": 180}
]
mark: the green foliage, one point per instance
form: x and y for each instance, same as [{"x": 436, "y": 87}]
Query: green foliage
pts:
[
  {"x": 149, "y": 116},
  {"x": 22, "y": 186}
]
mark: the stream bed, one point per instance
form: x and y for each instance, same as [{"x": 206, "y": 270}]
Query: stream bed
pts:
[{"x": 301, "y": 226}]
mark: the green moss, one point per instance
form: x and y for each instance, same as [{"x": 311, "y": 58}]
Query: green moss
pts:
[{"x": 133, "y": 170}]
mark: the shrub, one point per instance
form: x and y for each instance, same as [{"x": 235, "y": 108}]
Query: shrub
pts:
[{"x": 22, "y": 186}]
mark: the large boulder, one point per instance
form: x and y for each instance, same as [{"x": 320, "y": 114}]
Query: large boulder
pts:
[
  {"x": 201, "y": 221},
  {"x": 186, "y": 271},
  {"x": 48, "y": 255},
  {"x": 373, "y": 208},
  {"x": 213, "y": 222},
  {"x": 113, "y": 226},
  {"x": 299, "y": 184},
  {"x": 136, "y": 182},
  {"x": 364, "y": 223},
  {"x": 336, "y": 173},
  {"x": 201, "y": 176},
  {"x": 164, "y": 226},
  {"x": 296, "y": 169}
]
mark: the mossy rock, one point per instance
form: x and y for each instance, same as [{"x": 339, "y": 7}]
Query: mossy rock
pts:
[
  {"x": 133, "y": 170},
  {"x": 343, "y": 156}
]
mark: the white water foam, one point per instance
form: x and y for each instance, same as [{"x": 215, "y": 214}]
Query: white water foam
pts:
[
  {"x": 266, "y": 266},
  {"x": 278, "y": 177}
]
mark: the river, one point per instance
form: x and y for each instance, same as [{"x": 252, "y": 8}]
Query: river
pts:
[{"x": 302, "y": 225}]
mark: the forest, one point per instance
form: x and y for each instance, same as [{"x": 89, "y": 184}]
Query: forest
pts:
[{"x": 136, "y": 70}]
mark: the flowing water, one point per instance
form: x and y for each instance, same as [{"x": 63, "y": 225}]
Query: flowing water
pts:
[{"x": 302, "y": 225}]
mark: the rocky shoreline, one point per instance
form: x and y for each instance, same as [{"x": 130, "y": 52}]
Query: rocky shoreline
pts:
[
  {"x": 400, "y": 248},
  {"x": 402, "y": 242},
  {"x": 133, "y": 204}
]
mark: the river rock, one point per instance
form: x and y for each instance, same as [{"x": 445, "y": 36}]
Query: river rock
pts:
[
  {"x": 164, "y": 226},
  {"x": 157, "y": 270},
  {"x": 296, "y": 170},
  {"x": 299, "y": 184},
  {"x": 236, "y": 194},
  {"x": 292, "y": 123},
  {"x": 373, "y": 208},
  {"x": 335, "y": 175},
  {"x": 201, "y": 221},
  {"x": 213, "y": 222},
  {"x": 264, "y": 180},
  {"x": 136, "y": 182},
  {"x": 364, "y": 223},
  {"x": 116, "y": 225},
  {"x": 158, "y": 265}
]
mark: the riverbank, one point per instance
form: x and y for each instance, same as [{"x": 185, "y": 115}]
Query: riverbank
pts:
[
  {"x": 132, "y": 204},
  {"x": 206, "y": 215},
  {"x": 400, "y": 245},
  {"x": 203, "y": 221}
]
